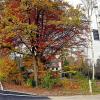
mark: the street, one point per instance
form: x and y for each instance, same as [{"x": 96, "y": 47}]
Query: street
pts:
[
  {"x": 6, "y": 95},
  {"x": 10, "y": 95},
  {"x": 21, "y": 97}
]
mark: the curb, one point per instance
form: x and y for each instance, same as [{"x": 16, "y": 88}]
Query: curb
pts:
[{"x": 19, "y": 92}]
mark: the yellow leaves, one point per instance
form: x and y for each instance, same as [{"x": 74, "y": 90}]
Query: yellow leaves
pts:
[
  {"x": 28, "y": 63},
  {"x": 73, "y": 67},
  {"x": 71, "y": 17},
  {"x": 54, "y": 22},
  {"x": 65, "y": 21},
  {"x": 28, "y": 29},
  {"x": 42, "y": 3},
  {"x": 1, "y": 36},
  {"x": 7, "y": 66},
  {"x": 10, "y": 35},
  {"x": 29, "y": 26},
  {"x": 7, "y": 11},
  {"x": 8, "y": 24},
  {"x": 45, "y": 4},
  {"x": 1, "y": 62},
  {"x": 25, "y": 4}
]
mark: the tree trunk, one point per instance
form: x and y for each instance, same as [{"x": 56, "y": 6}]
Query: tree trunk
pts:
[{"x": 35, "y": 66}]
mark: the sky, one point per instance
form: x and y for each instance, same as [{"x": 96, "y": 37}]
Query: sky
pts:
[{"x": 73, "y": 2}]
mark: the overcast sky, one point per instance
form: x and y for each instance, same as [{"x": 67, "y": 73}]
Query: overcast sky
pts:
[{"x": 74, "y": 2}]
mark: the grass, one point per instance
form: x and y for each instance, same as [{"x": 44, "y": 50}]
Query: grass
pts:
[{"x": 96, "y": 87}]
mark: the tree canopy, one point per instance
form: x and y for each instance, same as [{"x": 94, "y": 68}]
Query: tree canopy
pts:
[
  {"x": 44, "y": 27},
  {"x": 40, "y": 28}
]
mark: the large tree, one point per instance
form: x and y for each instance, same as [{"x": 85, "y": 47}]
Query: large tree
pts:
[{"x": 44, "y": 27}]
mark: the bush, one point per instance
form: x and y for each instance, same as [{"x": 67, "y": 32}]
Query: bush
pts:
[
  {"x": 79, "y": 76},
  {"x": 69, "y": 84},
  {"x": 2, "y": 78},
  {"x": 31, "y": 82},
  {"x": 23, "y": 68},
  {"x": 8, "y": 67},
  {"x": 96, "y": 86},
  {"x": 48, "y": 81}
]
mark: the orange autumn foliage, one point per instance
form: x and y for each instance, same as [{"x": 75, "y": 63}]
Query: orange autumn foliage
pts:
[{"x": 7, "y": 67}]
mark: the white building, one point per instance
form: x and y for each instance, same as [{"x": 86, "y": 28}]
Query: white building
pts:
[{"x": 94, "y": 51}]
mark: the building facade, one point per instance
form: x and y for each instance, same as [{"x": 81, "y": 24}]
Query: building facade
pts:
[{"x": 94, "y": 48}]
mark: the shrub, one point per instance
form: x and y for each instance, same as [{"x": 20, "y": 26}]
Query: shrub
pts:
[
  {"x": 30, "y": 82},
  {"x": 79, "y": 76},
  {"x": 8, "y": 67},
  {"x": 1, "y": 77},
  {"x": 96, "y": 86},
  {"x": 48, "y": 81},
  {"x": 84, "y": 86},
  {"x": 23, "y": 68},
  {"x": 69, "y": 84}
]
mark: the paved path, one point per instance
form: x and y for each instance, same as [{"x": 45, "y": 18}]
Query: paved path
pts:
[{"x": 90, "y": 97}]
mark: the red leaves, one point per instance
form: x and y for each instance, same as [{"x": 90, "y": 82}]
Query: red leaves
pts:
[
  {"x": 51, "y": 26},
  {"x": 32, "y": 16},
  {"x": 50, "y": 57},
  {"x": 52, "y": 30},
  {"x": 60, "y": 29},
  {"x": 42, "y": 44},
  {"x": 8, "y": 40},
  {"x": 53, "y": 15},
  {"x": 14, "y": 4}
]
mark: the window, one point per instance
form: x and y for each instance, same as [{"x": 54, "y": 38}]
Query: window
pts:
[
  {"x": 56, "y": 68},
  {"x": 95, "y": 34},
  {"x": 53, "y": 68}
]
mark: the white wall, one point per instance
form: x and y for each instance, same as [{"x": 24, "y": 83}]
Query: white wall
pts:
[{"x": 94, "y": 25}]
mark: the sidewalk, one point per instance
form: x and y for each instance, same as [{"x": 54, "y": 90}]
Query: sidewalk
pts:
[{"x": 80, "y": 97}]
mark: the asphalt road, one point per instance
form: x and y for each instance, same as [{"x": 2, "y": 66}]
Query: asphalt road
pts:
[
  {"x": 13, "y": 92},
  {"x": 20, "y": 97},
  {"x": 12, "y": 97},
  {"x": 9, "y": 95},
  {"x": 6, "y": 95}
]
